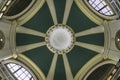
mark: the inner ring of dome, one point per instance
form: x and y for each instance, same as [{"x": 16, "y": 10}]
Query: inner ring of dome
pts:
[{"x": 60, "y": 39}]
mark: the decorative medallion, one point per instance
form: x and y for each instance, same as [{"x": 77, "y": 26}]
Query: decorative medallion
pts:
[{"x": 60, "y": 39}]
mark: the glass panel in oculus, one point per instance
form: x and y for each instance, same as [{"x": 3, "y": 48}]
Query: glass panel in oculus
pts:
[
  {"x": 101, "y": 7},
  {"x": 19, "y": 72}
]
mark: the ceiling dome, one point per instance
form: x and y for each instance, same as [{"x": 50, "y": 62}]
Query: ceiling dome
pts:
[
  {"x": 61, "y": 39},
  {"x": 71, "y": 38}
]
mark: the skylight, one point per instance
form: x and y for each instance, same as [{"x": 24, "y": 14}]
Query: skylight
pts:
[
  {"x": 19, "y": 72},
  {"x": 101, "y": 7}
]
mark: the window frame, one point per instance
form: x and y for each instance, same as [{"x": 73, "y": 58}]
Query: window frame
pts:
[
  {"x": 98, "y": 66},
  {"x": 98, "y": 13},
  {"x": 18, "y": 63},
  {"x": 103, "y": 7},
  {"x": 92, "y": 65},
  {"x": 22, "y": 12},
  {"x": 92, "y": 14},
  {"x": 2, "y": 75}
]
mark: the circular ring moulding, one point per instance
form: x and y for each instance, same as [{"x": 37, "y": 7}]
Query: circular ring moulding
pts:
[{"x": 60, "y": 39}]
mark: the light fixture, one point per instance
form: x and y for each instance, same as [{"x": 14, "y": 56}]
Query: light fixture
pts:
[{"x": 60, "y": 39}]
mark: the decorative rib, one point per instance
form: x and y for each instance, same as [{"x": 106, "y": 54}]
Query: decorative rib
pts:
[
  {"x": 24, "y": 30},
  {"x": 67, "y": 10},
  {"x": 51, "y": 72},
  {"x": 52, "y": 10},
  {"x": 96, "y": 30},
  {"x": 69, "y": 75},
  {"x": 92, "y": 47},
  {"x": 24, "y": 48}
]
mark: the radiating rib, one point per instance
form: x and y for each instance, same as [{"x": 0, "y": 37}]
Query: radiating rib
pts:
[
  {"x": 24, "y": 48},
  {"x": 68, "y": 71},
  {"x": 96, "y": 48},
  {"x": 51, "y": 72},
  {"x": 67, "y": 10},
  {"x": 52, "y": 10},
  {"x": 99, "y": 29},
  {"x": 29, "y": 31}
]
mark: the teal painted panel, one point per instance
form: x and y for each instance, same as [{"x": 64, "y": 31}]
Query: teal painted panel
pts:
[
  {"x": 78, "y": 57},
  {"x": 60, "y": 70},
  {"x": 42, "y": 57},
  {"x": 23, "y": 39},
  {"x": 79, "y": 21},
  {"x": 60, "y": 7},
  {"x": 97, "y": 39},
  {"x": 41, "y": 21}
]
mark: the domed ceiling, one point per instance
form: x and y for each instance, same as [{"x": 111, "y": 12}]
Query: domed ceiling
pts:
[{"x": 58, "y": 45}]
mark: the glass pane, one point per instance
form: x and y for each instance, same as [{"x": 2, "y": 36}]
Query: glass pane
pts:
[
  {"x": 19, "y": 71},
  {"x": 101, "y": 7}
]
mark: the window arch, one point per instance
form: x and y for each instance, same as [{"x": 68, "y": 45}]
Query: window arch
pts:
[
  {"x": 12, "y": 9},
  {"x": 97, "y": 10},
  {"x": 18, "y": 70},
  {"x": 101, "y": 7},
  {"x": 100, "y": 72}
]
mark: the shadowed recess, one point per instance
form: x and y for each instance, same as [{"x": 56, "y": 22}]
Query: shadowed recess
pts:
[
  {"x": 97, "y": 39},
  {"x": 42, "y": 57},
  {"x": 77, "y": 58},
  {"x": 41, "y": 21},
  {"x": 100, "y": 72},
  {"x": 60, "y": 70},
  {"x": 24, "y": 39},
  {"x": 16, "y": 7},
  {"x": 79, "y": 21},
  {"x": 60, "y": 7}
]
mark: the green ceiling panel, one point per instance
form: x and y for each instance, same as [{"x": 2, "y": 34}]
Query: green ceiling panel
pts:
[
  {"x": 41, "y": 21},
  {"x": 97, "y": 39},
  {"x": 78, "y": 57},
  {"x": 23, "y": 39},
  {"x": 60, "y": 5},
  {"x": 60, "y": 71},
  {"x": 42, "y": 57},
  {"x": 79, "y": 21}
]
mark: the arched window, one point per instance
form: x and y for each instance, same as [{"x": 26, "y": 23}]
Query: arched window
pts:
[
  {"x": 12, "y": 8},
  {"x": 101, "y": 7},
  {"x": 19, "y": 71},
  {"x": 100, "y": 72}
]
